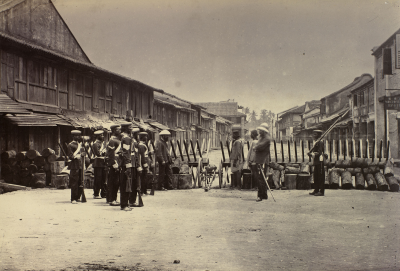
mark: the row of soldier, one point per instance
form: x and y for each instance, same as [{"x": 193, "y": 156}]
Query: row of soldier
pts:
[{"x": 122, "y": 165}]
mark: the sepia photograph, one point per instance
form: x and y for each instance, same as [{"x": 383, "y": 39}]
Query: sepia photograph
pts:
[{"x": 200, "y": 135}]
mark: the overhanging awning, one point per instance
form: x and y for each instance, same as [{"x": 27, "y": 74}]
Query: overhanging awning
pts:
[
  {"x": 36, "y": 119},
  {"x": 334, "y": 116},
  {"x": 158, "y": 125},
  {"x": 9, "y": 106}
]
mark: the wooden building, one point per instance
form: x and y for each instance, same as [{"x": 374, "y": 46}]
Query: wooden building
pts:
[{"x": 44, "y": 70}]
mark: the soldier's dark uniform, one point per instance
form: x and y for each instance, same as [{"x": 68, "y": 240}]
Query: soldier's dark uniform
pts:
[
  {"x": 112, "y": 162},
  {"x": 126, "y": 170},
  {"x": 99, "y": 166},
  {"x": 319, "y": 171},
  {"x": 75, "y": 166},
  {"x": 164, "y": 165},
  {"x": 135, "y": 173},
  {"x": 143, "y": 153}
]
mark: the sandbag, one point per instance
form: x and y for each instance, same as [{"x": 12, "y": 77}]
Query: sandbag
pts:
[
  {"x": 360, "y": 181},
  {"x": 393, "y": 183},
  {"x": 371, "y": 182},
  {"x": 346, "y": 180},
  {"x": 334, "y": 177},
  {"x": 381, "y": 182},
  {"x": 292, "y": 170},
  {"x": 388, "y": 170}
]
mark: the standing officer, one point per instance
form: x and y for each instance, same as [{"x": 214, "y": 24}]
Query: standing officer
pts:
[
  {"x": 112, "y": 162},
  {"x": 143, "y": 155},
  {"x": 126, "y": 165},
  {"x": 261, "y": 157},
  {"x": 99, "y": 166},
  {"x": 250, "y": 158},
  {"x": 164, "y": 162},
  {"x": 236, "y": 159},
  {"x": 75, "y": 166},
  {"x": 318, "y": 162}
]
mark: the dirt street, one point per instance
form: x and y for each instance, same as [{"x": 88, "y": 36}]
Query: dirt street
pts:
[{"x": 216, "y": 230}]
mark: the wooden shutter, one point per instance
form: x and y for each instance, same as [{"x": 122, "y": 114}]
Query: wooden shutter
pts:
[{"x": 387, "y": 61}]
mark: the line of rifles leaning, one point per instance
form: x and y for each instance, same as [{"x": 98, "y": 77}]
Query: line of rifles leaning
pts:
[{"x": 121, "y": 164}]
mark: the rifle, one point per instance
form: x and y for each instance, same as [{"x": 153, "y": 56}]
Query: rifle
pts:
[
  {"x": 193, "y": 150},
  {"x": 65, "y": 155},
  {"x": 82, "y": 186},
  {"x": 154, "y": 170},
  {"x": 138, "y": 179},
  {"x": 173, "y": 150},
  {"x": 329, "y": 130}
]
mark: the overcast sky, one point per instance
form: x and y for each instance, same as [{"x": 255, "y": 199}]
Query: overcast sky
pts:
[{"x": 264, "y": 54}]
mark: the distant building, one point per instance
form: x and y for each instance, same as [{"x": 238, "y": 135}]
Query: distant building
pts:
[
  {"x": 289, "y": 122},
  {"x": 309, "y": 120},
  {"x": 229, "y": 111},
  {"x": 387, "y": 84}
]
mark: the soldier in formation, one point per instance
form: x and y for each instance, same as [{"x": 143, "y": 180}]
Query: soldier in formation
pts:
[
  {"x": 113, "y": 164},
  {"x": 75, "y": 155},
  {"x": 164, "y": 161},
  {"x": 99, "y": 151}
]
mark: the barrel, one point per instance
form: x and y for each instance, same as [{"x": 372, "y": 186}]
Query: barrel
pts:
[
  {"x": 246, "y": 181},
  {"x": 47, "y": 152},
  {"x": 21, "y": 156},
  {"x": 51, "y": 158},
  {"x": 32, "y": 154},
  {"x": 7, "y": 155},
  {"x": 40, "y": 161},
  {"x": 39, "y": 180},
  {"x": 303, "y": 181},
  {"x": 290, "y": 181},
  {"x": 25, "y": 163}
]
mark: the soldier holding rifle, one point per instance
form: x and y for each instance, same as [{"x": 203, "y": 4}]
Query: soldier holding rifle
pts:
[
  {"x": 112, "y": 160},
  {"x": 318, "y": 156},
  {"x": 75, "y": 166},
  {"x": 125, "y": 165},
  {"x": 99, "y": 166},
  {"x": 143, "y": 155},
  {"x": 135, "y": 168},
  {"x": 261, "y": 157},
  {"x": 164, "y": 161}
]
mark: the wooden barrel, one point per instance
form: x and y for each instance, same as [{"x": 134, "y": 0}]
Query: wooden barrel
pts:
[
  {"x": 32, "y": 168},
  {"x": 185, "y": 181},
  {"x": 246, "y": 180},
  {"x": 39, "y": 160},
  {"x": 393, "y": 184},
  {"x": 5, "y": 169},
  {"x": 31, "y": 154},
  {"x": 346, "y": 180},
  {"x": 334, "y": 178},
  {"x": 381, "y": 182},
  {"x": 290, "y": 181},
  {"x": 25, "y": 163},
  {"x": 303, "y": 181},
  {"x": 371, "y": 182},
  {"x": 39, "y": 180},
  {"x": 60, "y": 181},
  {"x": 21, "y": 156},
  {"x": 305, "y": 168},
  {"x": 47, "y": 152},
  {"x": 51, "y": 158},
  {"x": 360, "y": 181},
  {"x": 7, "y": 155}
]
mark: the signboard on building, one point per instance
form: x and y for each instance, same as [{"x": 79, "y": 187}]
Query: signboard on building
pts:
[{"x": 392, "y": 103}]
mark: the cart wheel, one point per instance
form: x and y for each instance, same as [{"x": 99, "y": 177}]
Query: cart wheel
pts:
[{"x": 220, "y": 175}]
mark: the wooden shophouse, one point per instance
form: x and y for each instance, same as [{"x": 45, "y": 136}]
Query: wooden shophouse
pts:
[{"x": 45, "y": 71}]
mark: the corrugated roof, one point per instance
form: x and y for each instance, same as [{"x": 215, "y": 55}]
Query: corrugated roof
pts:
[
  {"x": 9, "y": 106},
  {"x": 37, "y": 119}
]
